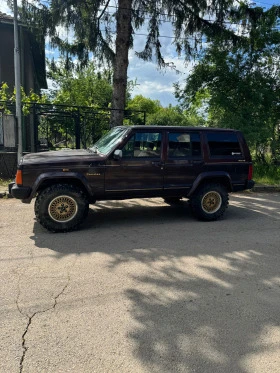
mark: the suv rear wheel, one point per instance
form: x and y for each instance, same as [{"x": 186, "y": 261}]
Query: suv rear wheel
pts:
[
  {"x": 61, "y": 207},
  {"x": 209, "y": 202}
]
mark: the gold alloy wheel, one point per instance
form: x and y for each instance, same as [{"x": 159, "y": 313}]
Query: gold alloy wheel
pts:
[
  {"x": 211, "y": 202},
  {"x": 63, "y": 209}
]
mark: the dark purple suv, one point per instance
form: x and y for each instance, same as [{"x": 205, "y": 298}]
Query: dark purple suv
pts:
[{"x": 201, "y": 164}]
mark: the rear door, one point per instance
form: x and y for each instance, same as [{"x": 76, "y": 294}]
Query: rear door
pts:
[{"x": 184, "y": 160}]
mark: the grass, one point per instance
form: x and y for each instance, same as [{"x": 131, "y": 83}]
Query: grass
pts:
[
  {"x": 5, "y": 182},
  {"x": 267, "y": 174}
]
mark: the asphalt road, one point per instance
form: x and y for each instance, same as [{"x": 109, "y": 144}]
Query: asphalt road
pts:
[{"x": 142, "y": 287}]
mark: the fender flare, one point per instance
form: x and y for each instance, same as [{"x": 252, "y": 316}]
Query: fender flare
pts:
[
  {"x": 208, "y": 176},
  {"x": 59, "y": 175}
]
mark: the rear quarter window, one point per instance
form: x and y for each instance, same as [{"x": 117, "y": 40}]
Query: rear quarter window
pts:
[{"x": 223, "y": 144}]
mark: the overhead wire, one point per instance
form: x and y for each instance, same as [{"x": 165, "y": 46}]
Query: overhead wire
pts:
[{"x": 169, "y": 21}]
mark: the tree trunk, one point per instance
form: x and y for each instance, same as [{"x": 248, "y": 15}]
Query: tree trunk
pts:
[{"x": 124, "y": 30}]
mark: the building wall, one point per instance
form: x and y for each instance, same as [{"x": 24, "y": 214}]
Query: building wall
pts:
[
  {"x": 28, "y": 68},
  {"x": 7, "y": 73},
  {"x": 7, "y": 55}
]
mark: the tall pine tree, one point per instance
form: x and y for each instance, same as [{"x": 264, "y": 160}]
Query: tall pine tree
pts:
[{"x": 107, "y": 30}]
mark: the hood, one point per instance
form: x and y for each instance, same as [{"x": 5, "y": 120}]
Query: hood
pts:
[{"x": 61, "y": 156}]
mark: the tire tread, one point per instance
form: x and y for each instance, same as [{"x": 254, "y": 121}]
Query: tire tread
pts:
[
  {"x": 52, "y": 226},
  {"x": 195, "y": 202}
]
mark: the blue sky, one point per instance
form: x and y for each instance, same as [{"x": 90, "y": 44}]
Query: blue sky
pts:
[{"x": 152, "y": 82}]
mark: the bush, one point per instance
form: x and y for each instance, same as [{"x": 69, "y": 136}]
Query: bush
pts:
[{"x": 267, "y": 173}]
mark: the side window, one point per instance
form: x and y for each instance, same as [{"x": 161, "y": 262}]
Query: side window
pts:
[
  {"x": 143, "y": 145},
  {"x": 183, "y": 145},
  {"x": 224, "y": 145}
]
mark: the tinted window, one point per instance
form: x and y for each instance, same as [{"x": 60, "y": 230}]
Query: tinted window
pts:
[
  {"x": 143, "y": 145},
  {"x": 183, "y": 145},
  {"x": 224, "y": 144}
]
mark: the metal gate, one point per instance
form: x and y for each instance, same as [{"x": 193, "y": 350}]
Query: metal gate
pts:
[{"x": 49, "y": 126}]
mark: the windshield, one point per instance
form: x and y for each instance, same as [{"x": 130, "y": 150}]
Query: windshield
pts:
[{"x": 106, "y": 143}]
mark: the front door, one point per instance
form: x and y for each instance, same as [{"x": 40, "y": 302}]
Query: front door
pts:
[{"x": 140, "y": 170}]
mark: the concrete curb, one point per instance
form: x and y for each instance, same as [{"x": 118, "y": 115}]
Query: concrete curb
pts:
[{"x": 266, "y": 188}]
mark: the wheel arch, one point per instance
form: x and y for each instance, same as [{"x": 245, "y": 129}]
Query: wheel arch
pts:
[
  {"x": 45, "y": 180},
  {"x": 222, "y": 178}
]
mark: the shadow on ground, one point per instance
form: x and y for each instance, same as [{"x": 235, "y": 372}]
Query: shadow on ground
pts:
[{"x": 209, "y": 296}]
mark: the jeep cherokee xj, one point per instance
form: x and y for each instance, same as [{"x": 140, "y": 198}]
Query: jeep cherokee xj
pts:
[{"x": 201, "y": 164}]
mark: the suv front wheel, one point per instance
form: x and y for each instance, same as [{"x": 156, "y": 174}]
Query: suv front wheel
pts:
[
  {"x": 61, "y": 207},
  {"x": 209, "y": 202}
]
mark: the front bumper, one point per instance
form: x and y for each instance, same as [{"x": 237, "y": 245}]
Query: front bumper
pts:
[{"x": 19, "y": 192}]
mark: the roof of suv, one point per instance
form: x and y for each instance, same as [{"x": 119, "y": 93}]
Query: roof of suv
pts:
[{"x": 180, "y": 128}]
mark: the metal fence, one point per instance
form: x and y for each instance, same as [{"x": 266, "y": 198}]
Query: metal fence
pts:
[
  {"x": 49, "y": 126},
  {"x": 1, "y": 131},
  {"x": 8, "y": 165}
]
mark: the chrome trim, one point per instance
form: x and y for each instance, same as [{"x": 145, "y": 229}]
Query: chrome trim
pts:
[
  {"x": 228, "y": 162},
  {"x": 129, "y": 190},
  {"x": 177, "y": 187}
]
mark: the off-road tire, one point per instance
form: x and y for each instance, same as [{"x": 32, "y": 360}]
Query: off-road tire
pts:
[
  {"x": 61, "y": 207},
  {"x": 209, "y": 202}
]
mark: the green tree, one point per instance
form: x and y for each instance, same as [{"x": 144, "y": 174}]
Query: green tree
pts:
[
  {"x": 142, "y": 103},
  {"x": 88, "y": 89},
  {"x": 85, "y": 87},
  {"x": 167, "y": 116},
  {"x": 140, "y": 109},
  {"x": 156, "y": 114},
  {"x": 108, "y": 30},
  {"x": 238, "y": 85},
  {"x": 8, "y": 99}
]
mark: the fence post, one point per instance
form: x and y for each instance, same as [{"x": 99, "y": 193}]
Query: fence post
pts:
[
  {"x": 35, "y": 124},
  {"x": 32, "y": 129},
  {"x": 78, "y": 129}
]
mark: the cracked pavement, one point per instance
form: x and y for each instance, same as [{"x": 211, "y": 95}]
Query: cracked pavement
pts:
[
  {"x": 142, "y": 287},
  {"x": 30, "y": 318}
]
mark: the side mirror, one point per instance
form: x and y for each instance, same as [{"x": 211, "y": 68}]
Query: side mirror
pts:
[{"x": 117, "y": 154}]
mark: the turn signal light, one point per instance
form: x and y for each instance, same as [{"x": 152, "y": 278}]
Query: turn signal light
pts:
[{"x": 19, "y": 177}]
